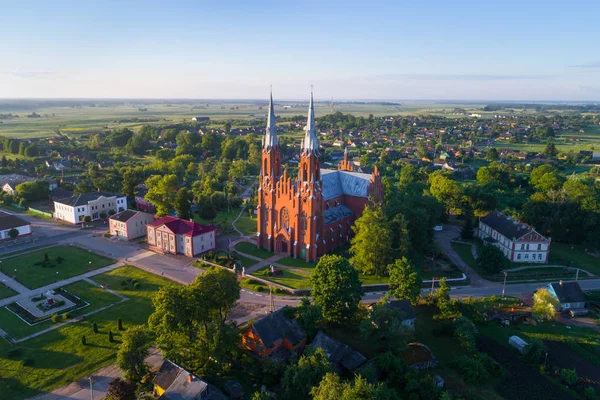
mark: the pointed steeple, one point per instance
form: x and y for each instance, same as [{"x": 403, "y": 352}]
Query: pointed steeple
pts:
[
  {"x": 270, "y": 140},
  {"x": 310, "y": 142}
]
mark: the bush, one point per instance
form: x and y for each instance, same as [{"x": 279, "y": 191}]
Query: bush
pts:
[
  {"x": 120, "y": 324},
  {"x": 59, "y": 259},
  {"x": 27, "y": 362},
  {"x": 490, "y": 258},
  {"x": 590, "y": 393},
  {"x": 110, "y": 337},
  {"x": 472, "y": 370},
  {"x": 83, "y": 340},
  {"x": 55, "y": 318},
  {"x": 66, "y": 316},
  {"x": 14, "y": 353},
  {"x": 260, "y": 289},
  {"x": 46, "y": 258},
  {"x": 95, "y": 327},
  {"x": 569, "y": 376},
  {"x": 123, "y": 283},
  {"x": 136, "y": 285}
]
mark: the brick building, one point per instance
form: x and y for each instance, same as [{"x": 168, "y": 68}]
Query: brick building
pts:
[{"x": 311, "y": 214}]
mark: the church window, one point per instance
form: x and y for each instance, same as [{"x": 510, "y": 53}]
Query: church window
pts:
[
  {"x": 285, "y": 218},
  {"x": 265, "y": 172},
  {"x": 305, "y": 173}
]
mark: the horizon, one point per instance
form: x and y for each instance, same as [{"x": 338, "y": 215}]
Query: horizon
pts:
[{"x": 464, "y": 51}]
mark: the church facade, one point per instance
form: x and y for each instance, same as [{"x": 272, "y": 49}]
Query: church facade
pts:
[{"x": 313, "y": 213}]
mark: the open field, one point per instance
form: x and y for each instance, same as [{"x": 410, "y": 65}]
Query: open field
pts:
[
  {"x": 27, "y": 268},
  {"x": 59, "y": 357}
]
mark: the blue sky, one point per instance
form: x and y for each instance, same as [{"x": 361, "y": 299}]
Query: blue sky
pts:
[{"x": 428, "y": 49}]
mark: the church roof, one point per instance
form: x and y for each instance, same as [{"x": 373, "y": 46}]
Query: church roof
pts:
[
  {"x": 333, "y": 214},
  {"x": 270, "y": 139},
  {"x": 339, "y": 183},
  {"x": 310, "y": 142}
]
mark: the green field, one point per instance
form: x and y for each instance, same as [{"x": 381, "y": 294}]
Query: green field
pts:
[
  {"x": 5, "y": 291},
  {"x": 573, "y": 256},
  {"x": 59, "y": 358},
  {"x": 289, "y": 278},
  {"x": 76, "y": 262},
  {"x": 250, "y": 248}
]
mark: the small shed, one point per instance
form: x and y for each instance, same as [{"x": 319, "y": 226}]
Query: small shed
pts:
[{"x": 518, "y": 344}]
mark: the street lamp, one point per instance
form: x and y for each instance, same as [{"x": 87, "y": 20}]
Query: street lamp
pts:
[{"x": 504, "y": 285}]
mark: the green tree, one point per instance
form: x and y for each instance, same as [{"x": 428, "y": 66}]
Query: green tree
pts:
[
  {"x": 309, "y": 316},
  {"x": 131, "y": 178},
  {"x": 371, "y": 246},
  {"x": 119, "y": 389},
  {"x": 550, "y": 149},
  {"x": 569, "y": 376},
  {"x": 183, "y": 203},
  {"x": 331, "y": 387},
  {"x": 466, "y": 232},
  {"x": 133, "y": 352},
  {"x": 492, "y": 154},
  {"x": 404, "y": 283},
  {"x": 490, "y": 258},
  {"x": 33, "y": 191},
  {"x": 383, "y": 328},
  {"x": 445, "y": 189},
  {"x": 83, "y": 187},
  {"x": 336, "y": 288},
  {"x": 13, "y": 233},
  {"x": 472, "y": 370},
  {"x": 162, "y": 192},
  {"x": 190, "y": 322},
  {"x": 300, "y": 377},
  {"x": 544, "y": 305}
]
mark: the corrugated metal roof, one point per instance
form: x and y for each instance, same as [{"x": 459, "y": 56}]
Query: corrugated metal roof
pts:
[{"x": 339, "y": 183}]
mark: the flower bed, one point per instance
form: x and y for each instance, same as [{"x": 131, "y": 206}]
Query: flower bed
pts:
[{"x": 31, "y": 319}]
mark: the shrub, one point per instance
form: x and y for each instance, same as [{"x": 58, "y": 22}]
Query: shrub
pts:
[
  {"x": 27, "y": 362},
  {"x": 136, "y": 285},
  {"x": 55, "y": 318},
  {"x": 590, "y": 393},
  {"x": 123, "y": 283},
  {"x": 120, "y": 323},
  {"x": 46, "y": 258},
  {"x": 110, "y": 337},
  {"x": 95, "y": 327},
  {"x": 569, "y": 376},
  {"x": 260, "y": 289},
  {"x": 472, "y": 370},
  {"x": 59, "y": 259},
  {"x": 14, "y": 353},
  {"x": 83, "y": 340},
  {"x": 66, "y": 316}
]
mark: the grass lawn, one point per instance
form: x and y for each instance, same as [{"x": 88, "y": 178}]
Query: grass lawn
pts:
[
  {"x": 297, "y": 263},
  {"x": 223, "y": 221},
  {"x": 97, "y": 297},
  {"x": 573, "y": 256},
  {"x": 5, "y": 291},
  {"x": 290, "y": 279},
  {"x": 60, "y": 358},
  {"x": 256, "y": 286},
  {"x": 372, "y": 279},
  {"x": 464, "y": 251},
  {"x": 75, "y": 262},
  {"x": 246, "y": 224},
  {"x": 249, "y": 248},
  {"x": 246, "y": 262}
]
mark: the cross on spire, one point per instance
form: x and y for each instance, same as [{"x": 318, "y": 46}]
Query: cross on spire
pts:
[
  {"x": 270, "y": 140},
  {"x": 310, "y": 142}
]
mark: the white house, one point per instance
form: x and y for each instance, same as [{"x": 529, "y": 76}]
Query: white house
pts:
[
  {"x": 519, "y": 242},
  {"x": 9, "y": 222},
  {"x": 73, "y": 209},
  {"x": 129, "y": 224},
  {"x": 177, "y": 236}
]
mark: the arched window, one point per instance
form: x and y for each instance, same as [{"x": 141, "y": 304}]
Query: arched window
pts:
[{"x": 284, "y": 218}]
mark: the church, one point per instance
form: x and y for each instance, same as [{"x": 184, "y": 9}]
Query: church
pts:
[{"x": 310, "y": 215}]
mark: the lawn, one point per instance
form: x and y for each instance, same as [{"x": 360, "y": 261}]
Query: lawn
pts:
[
  {"x": 5, "y": 291},
  {"x": 256, "y": 286},
  {"x": 246, "y": 224},
  {"x": 250, "y": 248},
  {"x": 297, "y": 263},
  {"x": 95, "y": 296},
  {"x": 246, "y": 262},
  {"x": 290, "y": 279},
  {"x": 59, "y": 357},
  {"x": 573, "y": 256},
  {"x": 75, "y": 262}
]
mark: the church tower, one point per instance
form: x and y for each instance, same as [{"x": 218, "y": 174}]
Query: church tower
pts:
[
  {"x": 310, "y": 190},
  {"x": 269, "y": 176}
]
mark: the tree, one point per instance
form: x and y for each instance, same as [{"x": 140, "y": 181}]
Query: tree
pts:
[
  {"x": 190, "y": 322},
  {"x": 13, "y": 233},
  {"x": 119, "y": 389},
  {"x": 569, "y": 376},
  {"x": 371, "y": 246},
  {"x": 331, "y": 387},
  {"x": 472, "y": 370},
  {"x": 550, "y": 149},
  {"x": 444, "y": 189},
  {"x": 83, "y": 187},
  {"x": 87, "y": 219},
  {"x": 309, "y": 316},
  {"x": 404, "y": 283},
  {"x": 336, "y": 288},
  {"x": 544, "y": 305},
  {"x": 207, "y": 210},
  {"x": 383, "y": 328},
  {"x": 492, "y": 154},
  {"x": 133, "y": 352},
  {"x": 183, "y": 203},
  {"x": 300, "y": 377},
  {"x": 466, "y": 231},
  {"x": 490, "y": 258},
  {"x": 33, "y": 191},
  {"x": 162, "y": 193},
  {"x": 131, "y": 178}
]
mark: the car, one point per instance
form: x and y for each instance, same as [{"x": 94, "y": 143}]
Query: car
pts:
[{"x": 438, "y": 228}]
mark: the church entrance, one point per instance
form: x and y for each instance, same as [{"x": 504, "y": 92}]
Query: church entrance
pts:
[{"x": 284, "y": 247}]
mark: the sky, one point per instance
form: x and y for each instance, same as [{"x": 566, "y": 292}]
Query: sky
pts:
[{"x": 372, "y": 50}]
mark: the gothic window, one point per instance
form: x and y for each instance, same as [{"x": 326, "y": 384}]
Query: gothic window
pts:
[
  {"x": 265, "y": 167},
  {"x": 305, "y": 173},
  {"x": 285, "y": 218}
]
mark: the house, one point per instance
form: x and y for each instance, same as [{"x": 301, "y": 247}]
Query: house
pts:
[
  {"x": 173, "y": 382},
  {"x": 170, "y": 235},
  {"x": 339, "y": 354},
  {"x": 9, "y": 222},
  {"x": 197, "y": 119},
  {"x": 406, "y": 311},
  {"x": 519, "y": 242},
  {"x": 94, "y": 205},
  {"x": 59, "y": 165},
  {"x": 274, "y": 336},
  {"x": 9, "y": 182},
  {"x": 141, "y": 203},
  {"x": 129, "y": 224},
  {"x": 568, "y": 294}
]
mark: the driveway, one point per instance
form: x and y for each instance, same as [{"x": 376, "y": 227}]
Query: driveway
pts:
[{"x": 445, "y": 238}]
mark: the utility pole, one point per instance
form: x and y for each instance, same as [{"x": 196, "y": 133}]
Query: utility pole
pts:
[
  {"x": 271, "y": 303},
  {"x": 504, "y": 285},
  {"x": 91, "y": 389},
  {"x": 576, "y": 276},
  {"x": 432, "y": 284}
]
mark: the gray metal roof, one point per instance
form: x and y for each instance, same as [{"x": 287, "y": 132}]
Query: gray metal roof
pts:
[
  {"x": 277, "y": 326},
  {"x": 339, "y": 354},
  {"x": 339, "y": 183},
  {"x": 310, "y": 142},
  {"x": 336, "y": 213},
  {"x": 270, "y": 139},
  {"x": 507, "y": 226},
  {"x": 85, "y": 198},
  {"x": 568, "y": 292}
]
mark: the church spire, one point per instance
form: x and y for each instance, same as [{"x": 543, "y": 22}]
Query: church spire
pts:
[
  {"x": 310, "y": 142},
  {"x": 270, "y": 140}
]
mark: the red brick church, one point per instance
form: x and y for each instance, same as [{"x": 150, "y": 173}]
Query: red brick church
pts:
[{"x": 312, "y": 214}]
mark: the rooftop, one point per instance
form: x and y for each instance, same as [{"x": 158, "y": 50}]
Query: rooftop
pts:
[
  {"x": 340, "y": 183},
  {"x": 9, "y": 221},
  {"x": 82, "y": 199},
  {"x": 568, "y": 292},
  {"x": 507, "y": 226},
  {"x": 125, "y": 216},
  {"x": 182, "y": 226},
  {"x": 277, "y": 326},
  {"x": 338, "y": 353},
  {"x": 406, "y": 309}
]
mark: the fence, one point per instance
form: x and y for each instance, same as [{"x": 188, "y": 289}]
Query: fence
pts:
[{"x": 40, "y": 212}]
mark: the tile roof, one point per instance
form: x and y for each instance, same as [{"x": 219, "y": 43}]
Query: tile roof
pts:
[
  {"x": 85, "y": 198},
  {"x": 339, "y": 183},
  {"x": 338, "y": 353},
  {"x": 277, "y": 326},
  {"x": 507, "y": 226},
  {"x": 182, "y": 226},
  {"x": 9, "y": 221},
  {"x": 125, "y": 216},
  {"x": 568, "y": 292}
]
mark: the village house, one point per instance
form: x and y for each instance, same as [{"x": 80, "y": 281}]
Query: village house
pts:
[
  {"x": 568, "y": 295},
  {"x": 340, "y": 355},
  {"x": 275, "y": 336},
  {"x": 9, "y": 222},
  {"x": 405, "y": 310},
  {"x": 173, "y": 382},
  {"x": 129, "y": 224},
  {"x": 518, "y": 242},
  {"x": 170, "y": 235},
  {"x": 94, "y": 205}
]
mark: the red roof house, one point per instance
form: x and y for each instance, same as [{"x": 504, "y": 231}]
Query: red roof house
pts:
[{"x": 170, "y": 235}]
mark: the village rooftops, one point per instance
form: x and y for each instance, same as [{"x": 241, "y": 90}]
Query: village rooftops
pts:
[
  {"x": 568, "y": 292},
  {"x": 82, "y": 199},
  {"x": 403, "y": 306},
  {"x": 339, "y": 354},
  {"x": 505, "y": 225},
  {"x": 277, "y": 326},
  {"x": 181, "y": 226},
  {"x": 124, "y": 216}
]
